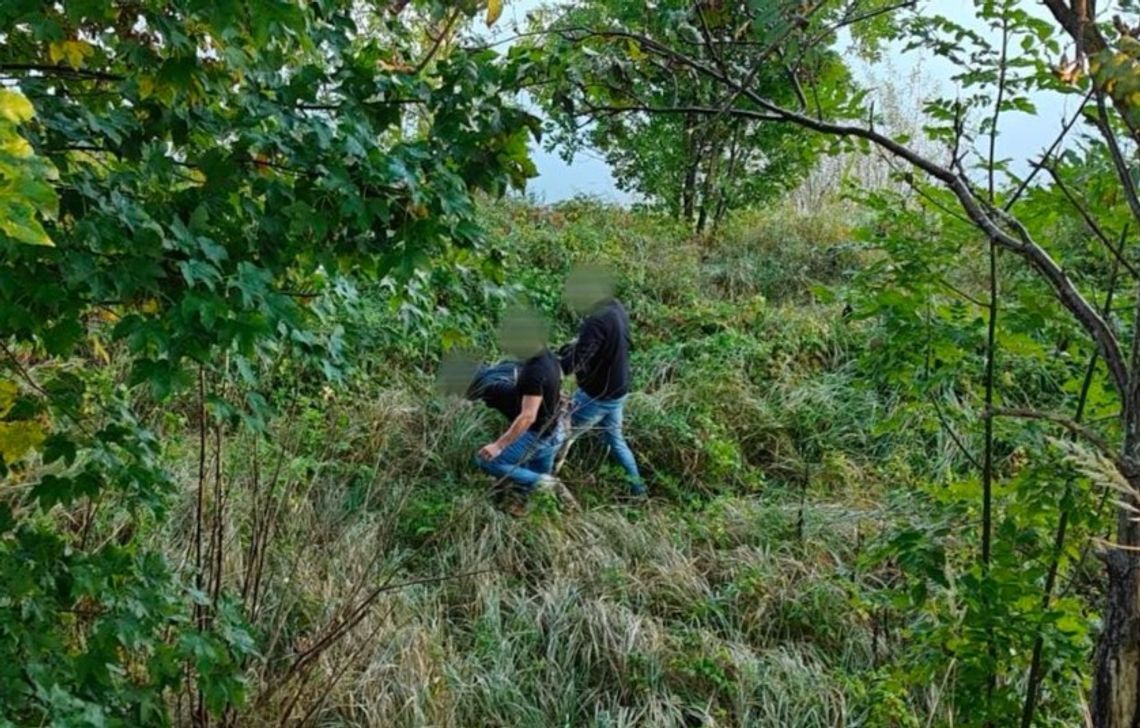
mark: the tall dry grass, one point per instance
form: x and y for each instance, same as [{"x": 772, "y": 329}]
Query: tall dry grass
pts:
[{"x": 385, "y": 589}]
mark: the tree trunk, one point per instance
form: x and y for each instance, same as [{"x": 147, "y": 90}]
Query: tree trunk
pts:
[
  {"x": 1117, "y": 683},
  {"x": 724, "y": 189},
  {"x": 692, "y": 159},
  {"x": 708, "y": 186},
  {"x": 1033, "y": 681}
]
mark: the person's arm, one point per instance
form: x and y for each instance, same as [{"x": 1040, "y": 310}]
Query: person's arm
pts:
[
  {"x": 527, "y": 415},
  {"x": 583, "y": 350}
]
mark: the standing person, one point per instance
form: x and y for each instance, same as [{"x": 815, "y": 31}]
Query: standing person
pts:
[
  {"x": 599, "y": 360},
  {"x": 525, "y": 452}
]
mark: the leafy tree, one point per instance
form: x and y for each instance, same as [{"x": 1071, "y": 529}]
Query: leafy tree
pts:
[
  {"x": 657, "y": 123},
  {"x": 177, "y": 180}
]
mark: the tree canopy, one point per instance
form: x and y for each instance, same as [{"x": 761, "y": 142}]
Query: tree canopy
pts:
[
  {"x": 662, "y": 127},
  {"x": 178, "y": 182}
]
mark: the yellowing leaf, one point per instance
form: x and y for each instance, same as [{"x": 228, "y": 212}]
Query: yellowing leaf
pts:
[
  {"x": 17, "y": 438},
  {"x": 494, "y": 10},
  {"x": 14, "y": 107},
  {"x": 72, "y": 51},
  {"x": 1130, "y": 45},
  {"x": 452, "y": 337},
  {"x": 100, "y": 350},
  {"x": 17, "y": 147},
  {"x": 21, "y": 226},
  {"x": 635, "y": 51},
  {"x": 1069, "y": 72},
  {"x": 146, "y": 86},
  {"x": 394, "y": 65},
  {"x": 150, "y": 305},
  {"x": 8, "y": 391},
  {"x": 1070, "y": 625}
]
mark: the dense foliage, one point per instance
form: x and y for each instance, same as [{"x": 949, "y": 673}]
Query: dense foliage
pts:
[
  {"x": 886, "y": 441},
  {"x": 180, "y": 179},
  {"x": 657, "y": 123}
]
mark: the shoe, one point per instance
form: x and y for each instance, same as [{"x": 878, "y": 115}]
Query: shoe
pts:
[
  {"x": 637, "y": 494},
  {"x": 498, "y": 494},
  {"x": 515, "y": 507},
  {"x": 558, "y": 488}
]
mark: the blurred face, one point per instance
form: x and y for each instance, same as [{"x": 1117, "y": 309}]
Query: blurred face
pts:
[
  {"x": 586, "y": 287},
  {"x": 522, "y": 334},
  {"x": 455, "y": 373}
]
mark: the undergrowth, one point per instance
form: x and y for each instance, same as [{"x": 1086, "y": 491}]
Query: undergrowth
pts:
[{"x": 384, "y": 588}]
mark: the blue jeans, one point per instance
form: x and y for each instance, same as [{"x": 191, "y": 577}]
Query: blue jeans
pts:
[
  {"x": 587, "y": 413},
  {"x": 525, "y": 460}
]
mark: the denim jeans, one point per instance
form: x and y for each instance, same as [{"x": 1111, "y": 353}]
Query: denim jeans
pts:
[
  {"x": 587, "y": 413},
  {"x": 525, "y": 460}
]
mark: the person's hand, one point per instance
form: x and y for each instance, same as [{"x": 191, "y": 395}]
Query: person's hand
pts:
[{"x": 491, "y": 451}]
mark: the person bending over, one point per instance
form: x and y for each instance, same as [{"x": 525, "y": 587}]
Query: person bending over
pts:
[
  {"x": 524, "y": 453},
  {"x": 599, "y": 360}
]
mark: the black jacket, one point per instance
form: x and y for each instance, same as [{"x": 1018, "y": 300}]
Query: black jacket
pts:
[{"x": 599, "y": 359}]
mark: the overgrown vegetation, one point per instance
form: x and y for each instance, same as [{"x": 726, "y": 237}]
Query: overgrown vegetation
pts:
[
  {"x": 890, "y": 442},
  {"x": 801, "y": 563},
  {"x": 738, "y": 596}
]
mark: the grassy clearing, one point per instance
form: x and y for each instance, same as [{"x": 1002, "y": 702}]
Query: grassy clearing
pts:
[{"x": 734, "y": 598}]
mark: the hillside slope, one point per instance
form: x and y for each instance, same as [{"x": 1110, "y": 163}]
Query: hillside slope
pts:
[{"x": 387, "y": 590}]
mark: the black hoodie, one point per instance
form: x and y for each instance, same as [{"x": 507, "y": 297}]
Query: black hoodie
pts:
[{"x": 600, "y": 357}]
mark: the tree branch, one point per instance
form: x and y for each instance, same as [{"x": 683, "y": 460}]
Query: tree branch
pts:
[
  {"x": 848, "y": 21},
  {"x": 1074, "y": 427},
  {"x": 1089, "y": 41},
  {"x": 60, "y": 71},
  {"x": 950, "y": 286},
  {"x": 436, "y": 45},
  {"x": 1063, "y": 287},
  {"x": 649, "y": 109},
  {"x": 759, "y": 61},
  {"x": 1104, "y": 124},
  {"x": 953, "y": 435},
  {"x": 1065, "y": 128},
  {"x": 1094, "y": 228}
]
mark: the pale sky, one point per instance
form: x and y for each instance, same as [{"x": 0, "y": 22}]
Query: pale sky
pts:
[{"x": 1023, "y": 137}]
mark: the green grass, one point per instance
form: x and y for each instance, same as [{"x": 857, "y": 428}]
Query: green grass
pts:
[{"x": 703, "y": 607}]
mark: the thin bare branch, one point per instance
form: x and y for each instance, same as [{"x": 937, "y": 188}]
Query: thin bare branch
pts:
[
  {"x": 438, "y": 43},
  {"x": 1065, "y": 128},
  {"x": 65, "y": 71},
  {"x": 1104, "y": 124},
  {"x": 1063, "y": 287},
  {"x": 1074, "y": 427},
  {"x": 1090, "y": 222},
  {"x": 954, "y": 435},
  {"x": 650, "y": 109}
]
